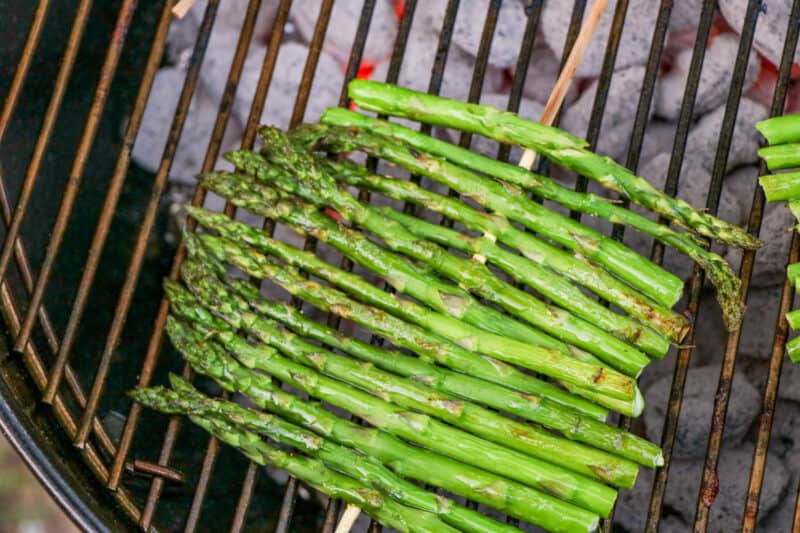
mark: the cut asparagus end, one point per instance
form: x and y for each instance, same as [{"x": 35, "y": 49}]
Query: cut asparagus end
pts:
[
  {"x": 781, "y": 156},
  {"x": 793, "y": 349},
  {"x": 781, "y": 187},
  {"x": 779, "y": 130}
]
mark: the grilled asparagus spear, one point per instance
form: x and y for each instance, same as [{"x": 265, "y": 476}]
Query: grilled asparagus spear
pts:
[
  {"x": 718, "y": 270},
  {"x": 422, "y": 429},
  {"x": 186, "y": 400},
  {"x": 314, "y": 186},
  {"x": 559, "y": 146},
  {"x": 207, "y": 357}
]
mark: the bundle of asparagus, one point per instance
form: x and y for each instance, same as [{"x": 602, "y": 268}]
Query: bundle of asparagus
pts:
[
  {"x": 456, "y": 371},
  {"x": 782, "y": 153}
]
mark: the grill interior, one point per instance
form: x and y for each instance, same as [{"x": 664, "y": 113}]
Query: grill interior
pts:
[{"x": 83, "y": 256}]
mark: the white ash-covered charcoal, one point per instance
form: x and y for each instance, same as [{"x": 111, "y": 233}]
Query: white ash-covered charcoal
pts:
[
  {"x": 773, "y": 21},
  {"x": 343, "y": 25},
  {"x": 325, "y": 89},
  {"x": 776, "y": 231},
  {"x": 733, "y": 468},
  {"x": 704, "y": 136},
  {"x": 785, "y": 443},
  {"x": 631, "y": 510},
  {"x": 685, "y": 15},
  {"x": 527, "y": 109},
  {"x": 156, "y": 123},
  {"x": 219, "y": 57},
  {"x": 231, "y": 13},
  {"x": 715, "y": 78},
  {"x": 634, "y": 45},
  {"x": 417, "y": 67},
  {"x": 698, "y": 403},
  {"x": 543, "y": 71},
  {"x": 659, "y": 138},
  {"x": 618, "y": 115},
  {"x": 790, "y": 377},
  {"x": 759, "y": 321},
  {"x": 508, "y": 33},
  {"x": 181, "y": 39}
]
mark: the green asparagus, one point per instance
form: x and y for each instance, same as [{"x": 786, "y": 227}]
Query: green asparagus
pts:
[
  {"x": 779, "y": 130},
  {"x": 536, "y": 408},
  {"x": 718, "y": 270},
  {"x": 793, "y": 274},
  {"x": 398, "y": 271},
  {"x": 550, "y": 284},
  {"x": 207, "y": 357},
  {"x": 502, "y": 198},
  {"x": 793, "y": 317},
  {"x": 479, "y": 421},
  {"x": 427, "y": 289},
  {"x": 325, "y": 480},
  {"x": 318, "y": 188},
  {"x": 558, "y": 146},
  {"x": 423, "y": 429},
  {"x": 186, "y": 400},
  {"x": 781, "y": 156},
  {"x": 781, "y": 187},
  {"x": 402, "y": 275},
  {"x": 432, "y": 347},
  {"x": 550, "y": 362}
]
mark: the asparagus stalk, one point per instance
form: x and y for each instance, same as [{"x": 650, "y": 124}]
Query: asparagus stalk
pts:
[
  {"x": 495, "y": 226},
  {"x": 781, "y": 156},
  {"x": 558, "y": 146},
  {"x": 432, "y": 347},
  {"x": 779, "y": 130},
  {"x": 531, "y": 440},
  {"x": 427, "y": 289},
  {"x": 793, "y": 317},
  {"x": 550, "y": 362},
  {"x": 719, "y": 272},
  {"x": 422, "y": 429},
  {"x": 500, "y": 198},
  {"x": 781, "y": 187},
  {"x": 526, "y": 270},
  {"x": 186, "y": 400},
  {"x": 398, "y": 271},
  {"x": 404, "y": 276},
  {"x": 536, "y": 408},
  {"x": 793, "y": 274},
  {"x": 207, "y": 357},
  {"x": 310, "y": 471},
  {"x": 793, "y": 349},
  {"x": 319, "y": 188}
]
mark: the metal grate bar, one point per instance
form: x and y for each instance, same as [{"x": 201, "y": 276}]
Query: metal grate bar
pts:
[
  {"x": 534, "y": 11},
  {"x": 220, "y": 123},
  {"x": 76, "y": 172},
  {"x": 710, "y": 482},
  {"x": 109, "y": 207},
  {"x": 34, "y": 364},
  {"x": 246, "y": 495},
  {"x": 134, "y": 268},
  {"x": 750, "y": 514},
  {"x": 23, "y": 66},
  {"x": 695, "y": 284},
  {"x": 53, "y": 108},
  {"x": 155, "y": 344},
  {"x": 314, "y": 50}
]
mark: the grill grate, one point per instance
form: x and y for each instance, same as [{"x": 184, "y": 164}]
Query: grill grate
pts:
[{"x": 27, "y": 315}]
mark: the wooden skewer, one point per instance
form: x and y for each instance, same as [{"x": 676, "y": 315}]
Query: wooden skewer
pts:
[
  {"x": 349, "y": 517},
  {"x": 182, "y": 7},
  {"x": 567, "y": 73}
]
